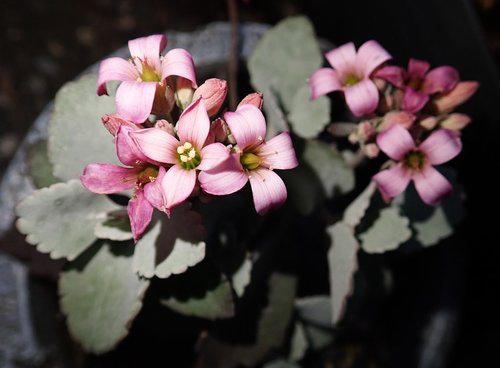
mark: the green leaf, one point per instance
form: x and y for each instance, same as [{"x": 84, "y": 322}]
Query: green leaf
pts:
[
  {"x": 316, "y": 310},
  {"x": 101, "y": 295},
  {"x": 39, "y": 167},
  {"x": 343, "y": 263},
  {"x": 171, "y": 245},
  {"x": 60, "y": 219},
  {"x": 115, "y": 227},
  {"x": 309, "y": 118},
  {"x": 298, "y": 343},
  {"x": 356, "y": 210},
  {"x": 241, "y": 277},
  {"x": 387, "y": 233},
  {"x": 77, "y": 136}
]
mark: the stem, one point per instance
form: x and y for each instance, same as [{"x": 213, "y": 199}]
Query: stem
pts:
[{"x": 233, "y": 55}]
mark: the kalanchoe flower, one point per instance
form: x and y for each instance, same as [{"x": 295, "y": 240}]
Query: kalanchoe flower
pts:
[
  {"x": 213, "y": 92},
  {"x": 112, "y": 123},
  {"x": 143, "y": 76},
  {"x": 141, "y": 174},
  {"x": 187, "y": 155},
  {"x": 416, "y": 163},
  {"x": 351, "y": 74},
  {"x": 253, "y": 160}
]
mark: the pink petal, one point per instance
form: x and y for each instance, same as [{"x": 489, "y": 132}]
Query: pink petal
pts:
[
  {"x": 393, "y": 181},
  {"x": 153, "y": 191},
  {"x": 395, "y": 142},
  {"x": 370, "y": 56},
  {"x": 212, "y": 156},
  {"x": 148, "y": 49},
  {"x": 278, "y": 153},
  {"x": 112, "y": 122},
  {"x": 417, "y": 68},
  {"x": 115, "y": 68},
  {"x": 441, "y": 146},
  {"x": 108, "y": 178},
  {"x": 177, "y": 185},
  {"x": 431, "y": 185},
  {"x": 362, "y": 98},
  {"x": 126, "y": 149},
  {"x": 247, "y": 125},
  {"x": 323, "y": 81},
  {"x": 140, "y": 213},
  {"x": 393, "y": 74},
  {"x": 268, "y": 190},
  {"x": 179, "y": 62},
  {"x": 227, "y": 178},
  {"x": 134, "y": 100},
  {"x": 442, "y": 79},
  {"x": 194, "y": 124},
  {"x": 414, "y": 101},
  {"x": 343, "y": 58},
  {"x": 156, "y": 144}
]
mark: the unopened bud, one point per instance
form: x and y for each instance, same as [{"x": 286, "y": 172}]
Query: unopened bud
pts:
[
  {"x": 183, "y": 92},
  {"x": 255, "y": 99},
  {"x": 403, "y": 118},
  {"x": 166, "y": 126},
  {"x": 112, "y": 123},
  {"x": 458, "y": 95},
  {"x": 455, "y": 122},
  {"x": 371, "y": 150},
  {"x": 429, "y": 123},
  {"x": 213, "y": 92}
]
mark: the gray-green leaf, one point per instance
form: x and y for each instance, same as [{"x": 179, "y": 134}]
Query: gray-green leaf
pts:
[
  {"x": 356, "y": 210},
  {"x": 39, "y": 167},
  {"x": 315, "y": 309},
  {"x": 116, "y": 228},
  {"x": 309, "y": 118}
]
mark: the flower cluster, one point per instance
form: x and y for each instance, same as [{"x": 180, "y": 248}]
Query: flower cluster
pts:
[
  {"x": 405, "y": 113},
  {"x": 173, "y": 145}
]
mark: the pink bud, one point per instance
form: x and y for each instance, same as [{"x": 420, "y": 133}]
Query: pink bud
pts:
[
  {"x": 458, "y": 95},
  {"x": 403, "y": 118},
  {"x": 455, "y": 121},
  {"x": 429, "y": 123},
  {"x": 113, "y": 121},
  {"x": 166, "y": 126},
  {"x": 213, "y": 92},
  {"x": 371, "y": 150},
  {"x": 255, "y": 99}
]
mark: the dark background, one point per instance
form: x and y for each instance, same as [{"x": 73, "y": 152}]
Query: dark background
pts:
[{"x": 46, "y": 43}]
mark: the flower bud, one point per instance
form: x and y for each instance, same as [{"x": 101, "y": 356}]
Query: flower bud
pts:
[
  {"x": 458, "y": 95},
  {"x": 371, "y": 150},
  {"x": 213, "y": 92},
  {"x": 253, "y": 99},
  {"x": 403, "y": 118},
  {"x": 166, "y": 126},
  {"x": 183, "y": 92},
  {"x": 429, "y": 122},
  {"x": 455, "y": 121},
  {"x": 113, "y": 121}
]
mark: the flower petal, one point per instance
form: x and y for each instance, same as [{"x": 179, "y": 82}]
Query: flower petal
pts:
[
  {"x": 392, "y": 74},
  {"x": 278, "y": 153},
  {"x": 115, "y": 68},
  {"x": 342, "y": 58},
  {"x": 431, "y": 185},
  {"x": 148, "y": 49},
  {"x": 177, "y": 185},
  {"x": 417, "y": 68},
  {"x": 362, "y": 98},
  {"x": 153, "y": 191},
  {"x": 247, "y": 125},
  {"x": 393, "y": 181},
  {"x": 268, "y": 190},
  {"x": 194, "y": 124},
  {"x": 414, "y": 101},
  {"x": 140, "y": 212},
  {"x": 370, "y": 56},
  {"x": 126, "y": 149},
  {"x": 212, "y": 156},
  {"x": 134, "y": 100},
  {"x": 179, "y": 62},
  {"x": 323, "y": 81},
  {"x": 441, "y": 79},
  {"x": 156, "y": 144},
  {"x": 395, "y": 141},
  {"x": 227, "y": 178},
  {"x": 441, "y": 146},
  {"x": 108, "y": 178}
]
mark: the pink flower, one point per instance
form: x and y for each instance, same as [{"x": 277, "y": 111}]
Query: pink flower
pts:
[
  {"x": 141, "y": 174},
  {"x": 253, "y": 160},
  {"x": 415, "y": 163},
  {"x": 143, "y": 76},
  {"x": 351, "y": 74},
  {"x": 187, "y": 155}
]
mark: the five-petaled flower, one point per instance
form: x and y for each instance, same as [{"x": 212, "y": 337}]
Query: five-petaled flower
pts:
[
  {"x": 416, "y": 163},
  {"x": 252, "y": 160},
  {"x": 351, "y": 74}
]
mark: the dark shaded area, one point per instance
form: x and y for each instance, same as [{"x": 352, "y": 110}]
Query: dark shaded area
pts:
[{"x": 46, "y": 43}]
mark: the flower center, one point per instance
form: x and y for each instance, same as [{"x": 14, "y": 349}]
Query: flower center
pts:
[
  {"x": 149, "y": 74},
  {"x": 415, "y": 83},
  {"x": 351, "y": 79},
  {"x": 249, "y": 161},
  {"x": 189, "y": 158},
  {"x": 148, "y": 174},
  {"x": 414, "y": 160}
]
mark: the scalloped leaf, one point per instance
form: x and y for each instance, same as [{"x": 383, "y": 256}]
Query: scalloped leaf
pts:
[
  {"x": 309, "y": 117},
  {"x": 115, "y": 227},
  {"x": 60, "y": 219},
  {"x": 242, "y": 276},
  {"x": 171, "y": 246},
  {"x": 76, "y": 134},
  {"x": 316, "y": 310},
  {"x": 343, "y": 263},
  {"x": 39, "y": 167},
  {"x": 101, "y": 295},
  {"x": 357, "y": 209}
]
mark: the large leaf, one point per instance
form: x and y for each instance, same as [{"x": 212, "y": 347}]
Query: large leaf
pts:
[
  {"x": 356, "y": 210},
  {"x": 171, "y": 245},
  {"x": 387, "y": 233},
  {"x": 343, "y": 263},
  {"x": 316, "y": 310},
  {"x": 309, "y": 117},
  {"x": 60, "y": 219},
  {"x": 39, "y": 167},
  {"x": 76, "y": 134},
  {"x": 101, "y": 295},
  {"x": 116, "y": 227}
]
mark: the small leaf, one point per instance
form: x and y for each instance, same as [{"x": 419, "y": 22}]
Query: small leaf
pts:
[
  {"x": 171, "y": 245},
  {"x": 60, "y": 219},
  {"x": 101, "y": 295},
  {"x": 356, "y": 210},
  {"x": 39, "y": 167},
  {"x": 298, "y": 344},
  {"x": 241, "y": 277},
  {"x": 343, "y": 263},
  {"x": 116, "y": 227},
  {"x": 309, "y": 117},
  {"x": 387, "y": 233},
  {"x": 316, "y": 310},
  {"x": 77, "y": 136}
]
